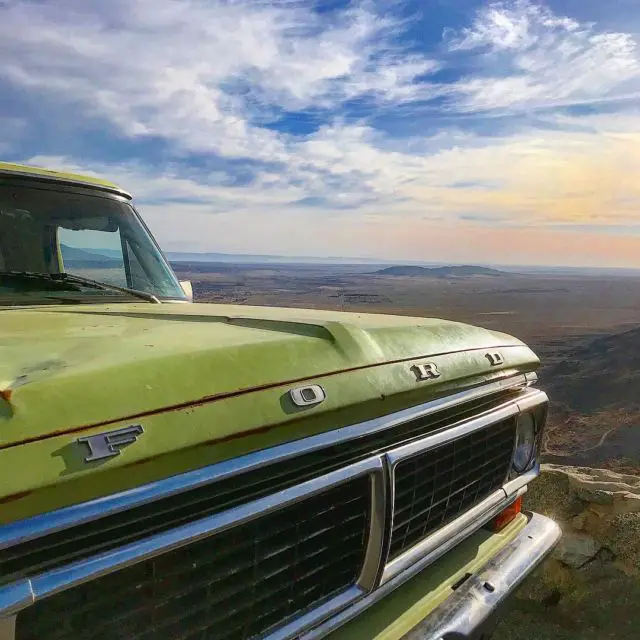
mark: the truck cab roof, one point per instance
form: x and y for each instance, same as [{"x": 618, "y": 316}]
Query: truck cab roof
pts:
[{"x": 38, "y": 173}]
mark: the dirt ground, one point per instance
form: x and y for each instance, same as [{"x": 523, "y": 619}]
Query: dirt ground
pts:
[
  {"x": 542, "y": 310},
  {"x": 610, "y": 612}
]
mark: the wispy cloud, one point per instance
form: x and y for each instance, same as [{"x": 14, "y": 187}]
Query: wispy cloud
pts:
[
  {"x": 194, "y": 71},
  {"x": 277, "y": 115},
  {"x": 529, "y": 57}
]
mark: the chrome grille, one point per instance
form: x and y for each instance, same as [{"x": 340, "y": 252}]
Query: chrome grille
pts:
[
  {"x": 205, "y": 583},
  {"x": 238, "y": 584},
  {"x": 434, "y": 487}
]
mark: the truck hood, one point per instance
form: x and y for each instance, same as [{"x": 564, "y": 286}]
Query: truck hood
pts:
[{"x": 73, "y": 367}]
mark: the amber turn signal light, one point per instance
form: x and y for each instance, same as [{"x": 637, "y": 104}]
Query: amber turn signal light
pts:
[{"x": 506, "y": 515}]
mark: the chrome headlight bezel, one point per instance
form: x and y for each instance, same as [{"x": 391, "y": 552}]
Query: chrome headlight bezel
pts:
[{"x": 525, "y": 446}]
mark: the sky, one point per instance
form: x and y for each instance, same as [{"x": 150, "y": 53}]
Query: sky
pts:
[{"x": 433, "y": 130}]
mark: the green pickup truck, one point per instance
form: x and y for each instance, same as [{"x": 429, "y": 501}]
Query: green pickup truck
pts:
[{"x": 172, "y": 470}]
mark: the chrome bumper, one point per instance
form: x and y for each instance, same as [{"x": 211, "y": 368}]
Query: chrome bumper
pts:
[{"x": 463, "y": 614}]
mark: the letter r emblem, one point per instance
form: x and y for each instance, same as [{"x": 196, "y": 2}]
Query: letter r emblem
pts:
[{"x": 426, "y": 371}]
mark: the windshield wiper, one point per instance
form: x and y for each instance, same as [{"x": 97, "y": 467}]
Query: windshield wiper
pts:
[{"x": 75, "y": 279}]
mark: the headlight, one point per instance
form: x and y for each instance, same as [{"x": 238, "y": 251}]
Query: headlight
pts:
[{"x": 525, "y": 442}]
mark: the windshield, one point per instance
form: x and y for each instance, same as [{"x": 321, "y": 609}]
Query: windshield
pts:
[{"x": 72, "y": 246}]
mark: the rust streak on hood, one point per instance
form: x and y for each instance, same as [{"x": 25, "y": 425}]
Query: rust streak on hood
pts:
[{"x": 73, "y": 368}]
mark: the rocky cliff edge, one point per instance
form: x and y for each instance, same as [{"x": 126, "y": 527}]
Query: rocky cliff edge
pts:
[{"x": 590, "y": 586}]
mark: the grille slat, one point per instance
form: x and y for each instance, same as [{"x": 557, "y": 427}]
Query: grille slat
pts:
[
  {"x": 472, "y": 477},
  {"x": 197, "y": 578},
  {"x": 211, "y": 589},
  {"x": 172, "y": 572},
  {"x": 434, "y": 487},
  {"x": 171, "y": 609},
  {"x": 82, "y": 541}
]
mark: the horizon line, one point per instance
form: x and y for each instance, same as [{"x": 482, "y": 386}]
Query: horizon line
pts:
[{"x": 352, "y": 260}]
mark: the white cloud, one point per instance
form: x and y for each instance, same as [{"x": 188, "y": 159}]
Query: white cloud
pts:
[
  {"x": 196, "y": 73},
  {"x": 590, "y": 175},
  {"x": 510, "y": 26},
  {"x": 208, "y": 195},
  {"x": 528, "y": 57},
  {"x": 190, "y": 70}
]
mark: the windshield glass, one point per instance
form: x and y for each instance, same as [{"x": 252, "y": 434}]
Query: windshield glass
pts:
[{"x": 68, "y": 245}]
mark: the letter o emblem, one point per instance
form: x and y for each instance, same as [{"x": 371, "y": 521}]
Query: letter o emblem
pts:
[{"x": 307, "y": 396}]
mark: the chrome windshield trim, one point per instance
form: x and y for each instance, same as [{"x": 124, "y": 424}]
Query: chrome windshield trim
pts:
[
  {"x": 67, "y": 517},
  {"x": 14, "y": 596}
]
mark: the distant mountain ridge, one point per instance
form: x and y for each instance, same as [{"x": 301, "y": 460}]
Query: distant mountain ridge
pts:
[
  {"x": 247, "y": 258},
  {"x": 73, "y": 254},
  {"x": 460, "y": 271}
]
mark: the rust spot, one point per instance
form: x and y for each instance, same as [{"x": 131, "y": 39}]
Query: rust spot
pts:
[
  {"x": 14, "y": 497},
  {"x": 204, "y": 443},
  {"x": 137, "y": 463},
  {"x": 6, "y": 394},
  {"x": 242, "y": 434},
  {"x": 222, "y": 396}
]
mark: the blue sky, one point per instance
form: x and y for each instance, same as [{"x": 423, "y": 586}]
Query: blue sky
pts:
[{"x": 441, "y": 130}]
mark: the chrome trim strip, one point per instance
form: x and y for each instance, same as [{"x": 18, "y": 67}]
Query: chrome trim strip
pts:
[
  {"x": 374, "y": 557},
  {"x": 40, "y": 525},
  {"x": 306, "y": 622},
  {"x": 532, "y": 400},
  {"x": 472, "y": 603},
  {"x": 15, "y": 597},
  {"x": 82, "y": 571},
  {"x": 528, "y": 403},
  {"x": 537, "y": 528},
  {"x": 513, "y": 486},
  {"x": 451, "y": 433},
  {"x": 431, "y": 548},
  {"x": 475, "y": 516}
]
